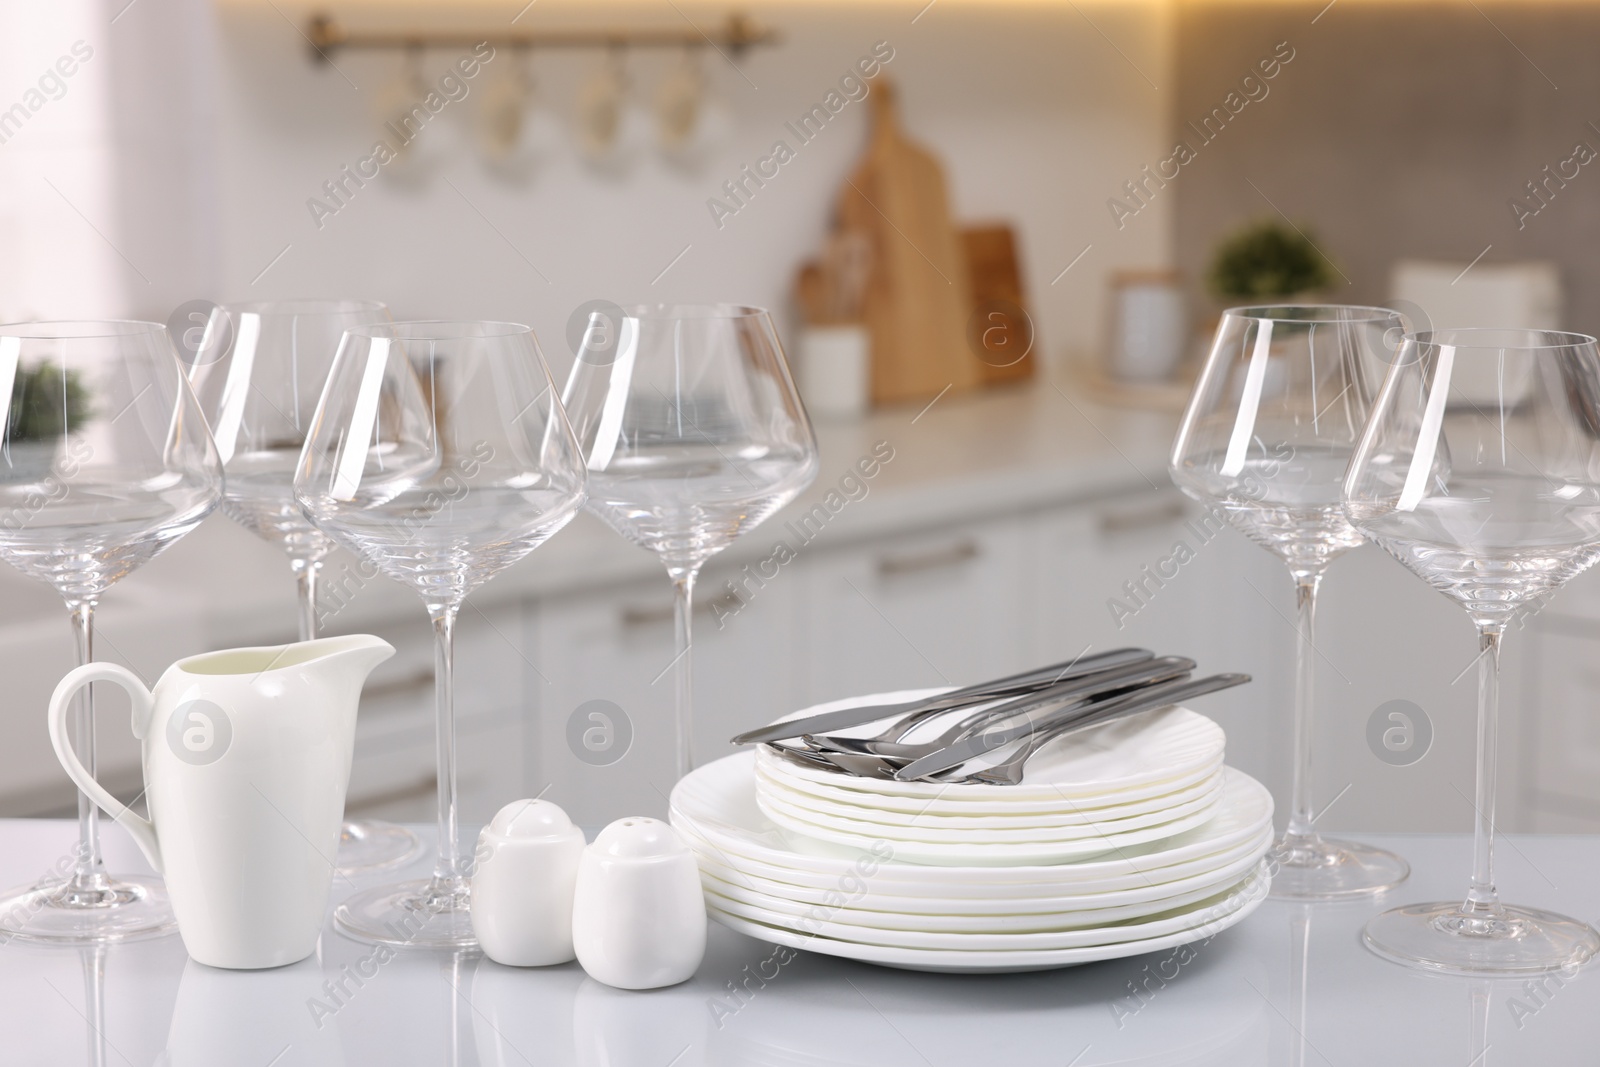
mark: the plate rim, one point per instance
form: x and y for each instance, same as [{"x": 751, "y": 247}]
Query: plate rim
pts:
[
  {"x": 968, "y": 961},
  {"x": 707, "y": 828}
]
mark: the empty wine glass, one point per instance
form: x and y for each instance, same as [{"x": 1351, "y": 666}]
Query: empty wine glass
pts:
[
  {"x": 105, "y": 460},
  {"x": 258, "y": 370},
  {"x": 693, "y": 434},
  {"x": 1480, "y": 471},
  {"x": 1266, "y": 438},
  {"x": 440, "y": 454}
]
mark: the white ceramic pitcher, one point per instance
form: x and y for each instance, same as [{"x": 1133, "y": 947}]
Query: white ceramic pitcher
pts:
[{"x": 246, "y": 761}]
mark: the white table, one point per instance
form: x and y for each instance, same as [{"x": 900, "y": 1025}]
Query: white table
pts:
[{"x": 1289, "y": 985}]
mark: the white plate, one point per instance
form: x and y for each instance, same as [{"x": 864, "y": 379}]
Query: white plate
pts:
[
  {"x": 881, "y": 893},
  {"x": 1248, "y": 896},
  {"x": 775, "y": 798},
  {"x": 1074, "y": 918},
  {"x": 1010, "y": 820},
  {"x": 1157, "y": 925},
  {"x": 867, "y": 895},
  {"x": 774, "y": 767},
  {"x": 716, "y": 804},
  {"x": 976, "y": 853},
  {"x": 1125, "y": 754}
]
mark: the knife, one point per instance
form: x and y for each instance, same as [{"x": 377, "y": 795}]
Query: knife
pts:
[
  {"x": 1139, "y": 700},
  {"x": 1039, "y": 678}
]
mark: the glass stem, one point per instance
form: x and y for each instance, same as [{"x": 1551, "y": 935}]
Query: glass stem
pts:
[
  {"x": 683, "y": 616},
  {"x": 447, "y": 869},
  {"x": 88, "y": 875},
  {"x": 1306, "y": 582},
  {"x": 306, "y": 572},
  {"x": 1481, "y": 897}
]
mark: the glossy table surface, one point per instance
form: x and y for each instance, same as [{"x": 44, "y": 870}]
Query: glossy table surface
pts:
[{"x": 1290, "y": 985}]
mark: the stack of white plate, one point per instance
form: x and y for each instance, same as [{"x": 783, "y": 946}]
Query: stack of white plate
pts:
[
  {"x": 1126, "y": 783},
  {"x": 1126, "y": 839}
]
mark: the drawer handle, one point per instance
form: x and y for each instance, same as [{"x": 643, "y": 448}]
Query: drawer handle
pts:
[
  {"x": 411, "y": 683},
  {"x": 953, "y": 555},
  {"x": 1123, "y": 521},
  {"x": 635, "y": 617}
]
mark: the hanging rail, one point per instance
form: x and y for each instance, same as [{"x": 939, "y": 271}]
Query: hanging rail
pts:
[{"x": 736, "y": 33}]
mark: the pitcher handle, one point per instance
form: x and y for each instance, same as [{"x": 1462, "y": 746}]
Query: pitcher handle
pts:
[{"x": 143, "y": 832}]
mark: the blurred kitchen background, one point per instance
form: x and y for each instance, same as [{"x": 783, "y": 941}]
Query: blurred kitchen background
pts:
[{"x": 1114, "y": 173}]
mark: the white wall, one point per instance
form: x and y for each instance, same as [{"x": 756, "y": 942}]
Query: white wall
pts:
[{"x": 225, "y": 129}]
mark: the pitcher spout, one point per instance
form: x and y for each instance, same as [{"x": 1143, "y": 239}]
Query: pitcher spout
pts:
[{"x": 345, "y": 661}]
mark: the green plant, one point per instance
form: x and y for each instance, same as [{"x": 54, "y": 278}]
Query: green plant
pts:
[
  {"x": 1267, "y": 259},
  {"x": 45, "y": 400}
]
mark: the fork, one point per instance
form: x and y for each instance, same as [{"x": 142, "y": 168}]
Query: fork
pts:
[
  {"x": 913, "y": 711},
  {"x": 1080, "y": 690}
]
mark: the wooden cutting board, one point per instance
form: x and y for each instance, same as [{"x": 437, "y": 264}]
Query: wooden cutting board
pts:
[
  {"x": 918, "y": 296},
  {"x": 1002, "y": 333}
]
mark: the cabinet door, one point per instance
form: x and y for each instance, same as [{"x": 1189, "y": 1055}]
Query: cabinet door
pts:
[
  {"x": 939, "y": 608},
  {"x": 393, "y": 774},
  {"x": 606, "y": 677},
  {"x": 1560, "y": 730},
  {"x": 1146, "y": 570}
]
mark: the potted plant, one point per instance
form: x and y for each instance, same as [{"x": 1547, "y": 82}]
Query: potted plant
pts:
[
  {"x": 45, "y": 401},
  {"x": 1268, "y": 261}
]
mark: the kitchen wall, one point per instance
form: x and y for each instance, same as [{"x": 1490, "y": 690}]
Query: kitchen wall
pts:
[
  {"x": 225, "y": 128},
  {"x": 1398, "y": 129}
]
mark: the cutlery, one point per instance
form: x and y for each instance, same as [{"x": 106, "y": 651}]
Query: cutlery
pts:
[
  {"x": 1009, "y": 771},
  {"x": 882, "y": 766},
  {"x": 859, "y": 764},
  {"x": 1028, "y": 681},
  {"x": 1058, "y": 722},
  {"x": 1148, "y": 672}
]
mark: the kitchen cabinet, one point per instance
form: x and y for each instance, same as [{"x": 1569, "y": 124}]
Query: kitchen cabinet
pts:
[
  {"x": 931, "y": 608},
  {"x": 611, "y": 653},
  {"x": 1145, "y": 569},
  {"x": 393, "y": 775},
  {"x": 1559, "y": 767}
]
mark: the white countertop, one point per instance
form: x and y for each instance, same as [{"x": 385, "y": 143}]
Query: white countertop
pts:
[
  {"x": 961, "y": 458},
  {"x": 1289, "y": 985}
]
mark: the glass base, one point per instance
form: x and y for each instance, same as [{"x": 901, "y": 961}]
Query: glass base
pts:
[
  {"x": 369, "y": 845},
  {"x": 110, "y": 909},
  {"x": 1316, "y": 868},
  {"x": 430, "y": 913},
  {"x": 1497, "y": 940}
]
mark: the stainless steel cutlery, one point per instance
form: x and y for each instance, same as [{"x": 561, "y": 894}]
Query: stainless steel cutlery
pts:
[
  {"x": 1015, "y": 716},
  {"x": 1077, "y": 690},
  {"x": 1026, "y": 682},
  {"x": 1045, "y": 729}
]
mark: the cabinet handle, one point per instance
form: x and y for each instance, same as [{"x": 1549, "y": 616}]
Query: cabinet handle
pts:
[
  {"x": 912, "y": 563},
  {"x": 635, "y": 617},
  {"x": 1168, "y": 511},
  {"x": 411, "y": 683}
]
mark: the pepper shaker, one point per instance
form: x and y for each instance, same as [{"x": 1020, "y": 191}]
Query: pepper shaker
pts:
[
  {"x": 522, "y": 886},
  {"x": 639, "y": 917}
]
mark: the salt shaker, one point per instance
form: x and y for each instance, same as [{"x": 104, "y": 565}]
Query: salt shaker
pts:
[
  {"x": 522, "y": 886},
  {"x": 639, "y": 919}
]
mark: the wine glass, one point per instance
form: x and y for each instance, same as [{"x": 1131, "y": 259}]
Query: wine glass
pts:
[
  {"x": 1265, "y": 440},
  {"x": 258, "y": 369},
  {"x": 440, "y": 454},
  {"x": 1480, "y": 471},
  {"x": 105, "y": 460},
  {"x": 693, "y": 434}
]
